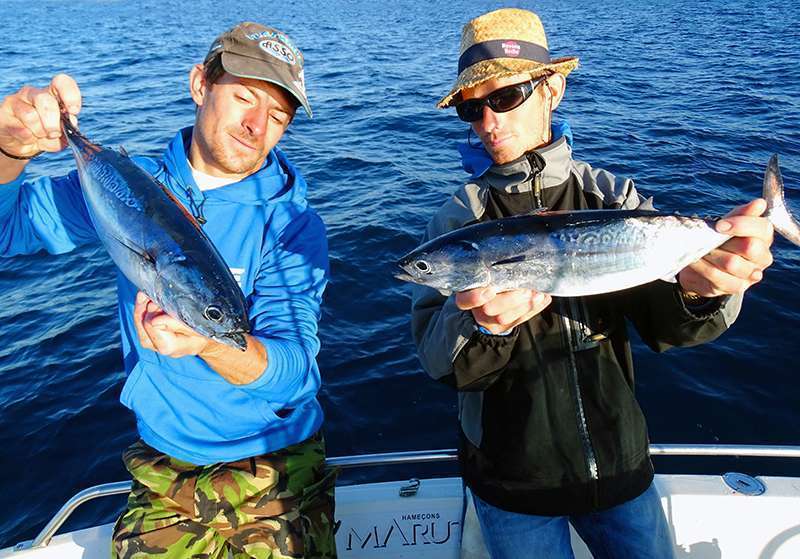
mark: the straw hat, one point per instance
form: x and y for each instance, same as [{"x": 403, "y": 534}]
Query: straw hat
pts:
[{"x": 504, "y": 43}]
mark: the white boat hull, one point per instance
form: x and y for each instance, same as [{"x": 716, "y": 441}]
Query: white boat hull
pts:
[{"x": 707, "y": 518}]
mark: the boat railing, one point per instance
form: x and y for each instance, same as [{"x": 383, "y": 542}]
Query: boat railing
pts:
[{"x": 411, "y": 457}]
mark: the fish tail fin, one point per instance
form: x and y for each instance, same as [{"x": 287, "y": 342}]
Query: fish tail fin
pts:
[{"x": 777, "y": 212}]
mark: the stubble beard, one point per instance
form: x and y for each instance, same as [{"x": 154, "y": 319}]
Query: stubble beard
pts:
[{"x": 239, "y": 162}]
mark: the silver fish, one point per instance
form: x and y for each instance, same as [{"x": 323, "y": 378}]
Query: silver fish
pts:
[
  {"x": 157, "y": 244},
  {"x": 576, "y": 253}
]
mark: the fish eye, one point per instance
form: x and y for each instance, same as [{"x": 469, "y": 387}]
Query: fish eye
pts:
[
  {"x": 212, "y": 313},
  {"x": 422, "y": 266}
]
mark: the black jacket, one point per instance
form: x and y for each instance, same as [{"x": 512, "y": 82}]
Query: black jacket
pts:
[{"x": 549, "y": 420}]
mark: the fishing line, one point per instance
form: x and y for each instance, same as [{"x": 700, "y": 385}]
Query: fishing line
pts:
[
  {"x": 545, "y": 139},
  {"x": 469, "y": 135},
  {"x": 549, "y": 113}
]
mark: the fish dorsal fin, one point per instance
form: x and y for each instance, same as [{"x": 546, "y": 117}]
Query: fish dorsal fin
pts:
[{"x": 123, "y": 151}]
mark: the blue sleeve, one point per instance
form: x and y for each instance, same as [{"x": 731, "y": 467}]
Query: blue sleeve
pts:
[
  {"x": 285, "y": 307},
  {"x": 45, "y": 214}
]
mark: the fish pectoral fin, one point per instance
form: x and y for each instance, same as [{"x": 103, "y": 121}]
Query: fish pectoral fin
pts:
[
  {"x": 140, "y": 252},
  {"x": 512, "y": 260}
]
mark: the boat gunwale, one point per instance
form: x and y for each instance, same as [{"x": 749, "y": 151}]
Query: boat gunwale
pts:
[{"x": 44, "y": 537}]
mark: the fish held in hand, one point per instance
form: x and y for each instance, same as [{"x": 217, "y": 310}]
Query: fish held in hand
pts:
[
  {"x": 157, "y": 244},
  {"x": 577, "y": 253}
]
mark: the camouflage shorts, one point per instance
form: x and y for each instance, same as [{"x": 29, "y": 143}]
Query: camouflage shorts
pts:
[{"x": 275, "y": 506}]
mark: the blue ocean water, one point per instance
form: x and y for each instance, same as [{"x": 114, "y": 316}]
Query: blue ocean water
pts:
[{"x": 690, "y": 98}]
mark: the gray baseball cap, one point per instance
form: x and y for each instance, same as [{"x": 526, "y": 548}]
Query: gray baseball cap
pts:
[{"x": 252, "y": 50}]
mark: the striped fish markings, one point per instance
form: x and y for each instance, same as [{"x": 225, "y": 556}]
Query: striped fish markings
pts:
[
  {"x": 576, "y": 253},
  {"x": 157, "y": 244}
]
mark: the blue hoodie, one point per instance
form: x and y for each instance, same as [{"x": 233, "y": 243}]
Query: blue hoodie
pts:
[{"x": 276, "y": 247}]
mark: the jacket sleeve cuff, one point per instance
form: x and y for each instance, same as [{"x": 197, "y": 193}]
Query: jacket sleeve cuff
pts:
[
  {"x": 701, "y": 309},
  {"x": 483, "y": 330},
  {"x": 287, "y": 364}
]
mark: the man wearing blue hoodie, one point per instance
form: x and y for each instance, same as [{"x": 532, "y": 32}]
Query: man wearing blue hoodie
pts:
[
  {"x": 551, "y": 432},
  {"x": 231, "y": 459}
]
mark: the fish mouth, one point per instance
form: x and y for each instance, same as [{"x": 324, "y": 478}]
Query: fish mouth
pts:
[
  {"x": 235, "y": 339},
  {"x": 406, "y": 277}
]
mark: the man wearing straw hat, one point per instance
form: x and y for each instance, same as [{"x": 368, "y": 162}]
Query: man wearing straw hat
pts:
[{"x": 551, "y": 432}]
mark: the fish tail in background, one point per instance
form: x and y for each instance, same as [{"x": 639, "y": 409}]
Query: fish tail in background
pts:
[{"x": 777, "y": 212}]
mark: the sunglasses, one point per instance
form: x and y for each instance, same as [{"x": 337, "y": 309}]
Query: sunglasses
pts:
[{"x": 500, "y": 101}]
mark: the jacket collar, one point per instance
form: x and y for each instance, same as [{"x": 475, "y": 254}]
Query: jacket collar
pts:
[
  {"x": 476, "y": 160},
  {"x": 515, "y": 176},
  {"x": 276, "y": 180}
]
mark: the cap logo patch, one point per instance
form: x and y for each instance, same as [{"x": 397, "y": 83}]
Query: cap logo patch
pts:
[
  {"x": 511, "y": 48},
  {"x": 278, "y": 50}
]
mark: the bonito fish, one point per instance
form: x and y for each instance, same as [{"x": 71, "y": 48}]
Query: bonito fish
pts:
[
  {"x": 577, "y": 253},
  {"x": 157, "y": 244}
]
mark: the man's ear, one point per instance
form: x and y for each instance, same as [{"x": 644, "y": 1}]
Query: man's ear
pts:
[
  {"x": 197, "y": 83},
  {"x": 557, "y": 84}
]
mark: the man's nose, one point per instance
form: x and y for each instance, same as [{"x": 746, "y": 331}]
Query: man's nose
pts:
[
  {"x": 255, "y": 121},
  {"x": 489, "y": 119}
]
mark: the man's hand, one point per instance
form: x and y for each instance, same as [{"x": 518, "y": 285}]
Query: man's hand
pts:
[
  {"x": 163, "y": 334},
  {"x": 500, "y": 312},
  {"x": 30, "y": 119},
  {"x": 739, "y": 262}
]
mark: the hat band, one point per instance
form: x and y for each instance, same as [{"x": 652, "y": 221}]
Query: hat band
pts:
[{"x": 502, "y": 48}]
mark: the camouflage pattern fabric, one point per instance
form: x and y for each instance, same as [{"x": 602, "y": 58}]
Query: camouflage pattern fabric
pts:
[{"x": 279, "y": 505}]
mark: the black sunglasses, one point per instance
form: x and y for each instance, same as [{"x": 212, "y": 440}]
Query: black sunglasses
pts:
[{"x": 500, "y": 101}]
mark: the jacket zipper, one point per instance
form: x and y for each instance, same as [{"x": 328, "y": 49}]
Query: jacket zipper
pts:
[
  {"x": 537, "y": 163},
  {"x": 583, "y": 429},
  {"x": 576, "y": 338}
]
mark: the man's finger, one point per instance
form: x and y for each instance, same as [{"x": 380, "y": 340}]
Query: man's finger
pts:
[
  {"x": 163, "y": 321},
  {"x": 141, "y": 302},
  {"x": 139, "y": 316},
  {"x": 155, "y": 335},
  {"x": 67, "y": 90},
  {"x": 731, "y": 263},
  {"x": 754, "y": 250},
  {"x": 713, "y": 281},
  {"x": 746, "y": 226},
  {"x": 472, "y": 298},
  {"x": 755, "y": 207},
  {"x": 47, "y": 108},
  {"x": 508, "y": 301},
  {"x": 24, "y": 111},
  {"x": 533, "y": 305}
]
